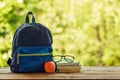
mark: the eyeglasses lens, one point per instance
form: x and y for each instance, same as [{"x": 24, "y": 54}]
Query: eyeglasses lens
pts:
[
  {"x": 57, "y": 58},
  {"x": 69, "y": 58}
]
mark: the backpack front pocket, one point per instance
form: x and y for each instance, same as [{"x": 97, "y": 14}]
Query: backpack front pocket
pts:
[{"x": 33, "y": 59}]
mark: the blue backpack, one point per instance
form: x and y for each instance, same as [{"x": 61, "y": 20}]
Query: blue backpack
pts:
[{"x": 31, "y": 47}]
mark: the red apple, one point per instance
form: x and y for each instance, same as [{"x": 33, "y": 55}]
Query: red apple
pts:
[{"x": 49, "y": 67}]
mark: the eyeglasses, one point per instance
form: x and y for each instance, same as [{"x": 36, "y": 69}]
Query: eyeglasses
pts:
[{"x": 67, "y": 58}]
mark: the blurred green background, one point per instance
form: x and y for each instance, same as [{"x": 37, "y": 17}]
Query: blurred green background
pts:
[{"x": 86, "y": 29}]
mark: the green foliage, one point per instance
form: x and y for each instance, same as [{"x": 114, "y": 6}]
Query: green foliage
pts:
[{"x": 86, "y": 29}]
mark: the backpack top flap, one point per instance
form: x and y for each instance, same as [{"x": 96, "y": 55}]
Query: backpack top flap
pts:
[{"x": 35, "y": 35}]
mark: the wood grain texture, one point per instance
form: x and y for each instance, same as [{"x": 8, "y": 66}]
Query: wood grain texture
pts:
[{"x": 87, "y": 72}]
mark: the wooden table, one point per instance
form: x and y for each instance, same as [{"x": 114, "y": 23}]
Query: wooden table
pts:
[{"x": 87, "y": 72}]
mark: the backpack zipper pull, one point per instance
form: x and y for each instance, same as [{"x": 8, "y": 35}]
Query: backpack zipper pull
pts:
[{"x": 17, "y": 58}]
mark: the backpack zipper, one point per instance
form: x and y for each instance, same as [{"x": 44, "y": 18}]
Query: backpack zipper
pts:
[
  {"x": 29, "y": 55},
  {"x": 44, "y": 54}
]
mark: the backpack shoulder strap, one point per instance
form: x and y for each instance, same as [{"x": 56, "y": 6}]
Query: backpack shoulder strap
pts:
[{"x": 9, "y": 61}]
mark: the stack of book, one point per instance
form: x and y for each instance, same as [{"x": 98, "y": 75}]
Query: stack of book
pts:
[{"x": 68, "y": 67}]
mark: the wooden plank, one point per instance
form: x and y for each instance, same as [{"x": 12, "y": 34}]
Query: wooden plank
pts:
[
  {"x": 86, "y": 73},
  {"x": 57, "y": 76}
]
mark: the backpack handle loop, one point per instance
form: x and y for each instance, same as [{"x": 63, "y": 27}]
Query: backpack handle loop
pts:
[{"x": 28, "y": 17}]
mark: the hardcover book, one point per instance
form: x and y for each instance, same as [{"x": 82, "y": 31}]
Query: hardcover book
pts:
[{"x": 68, "y": 67}]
